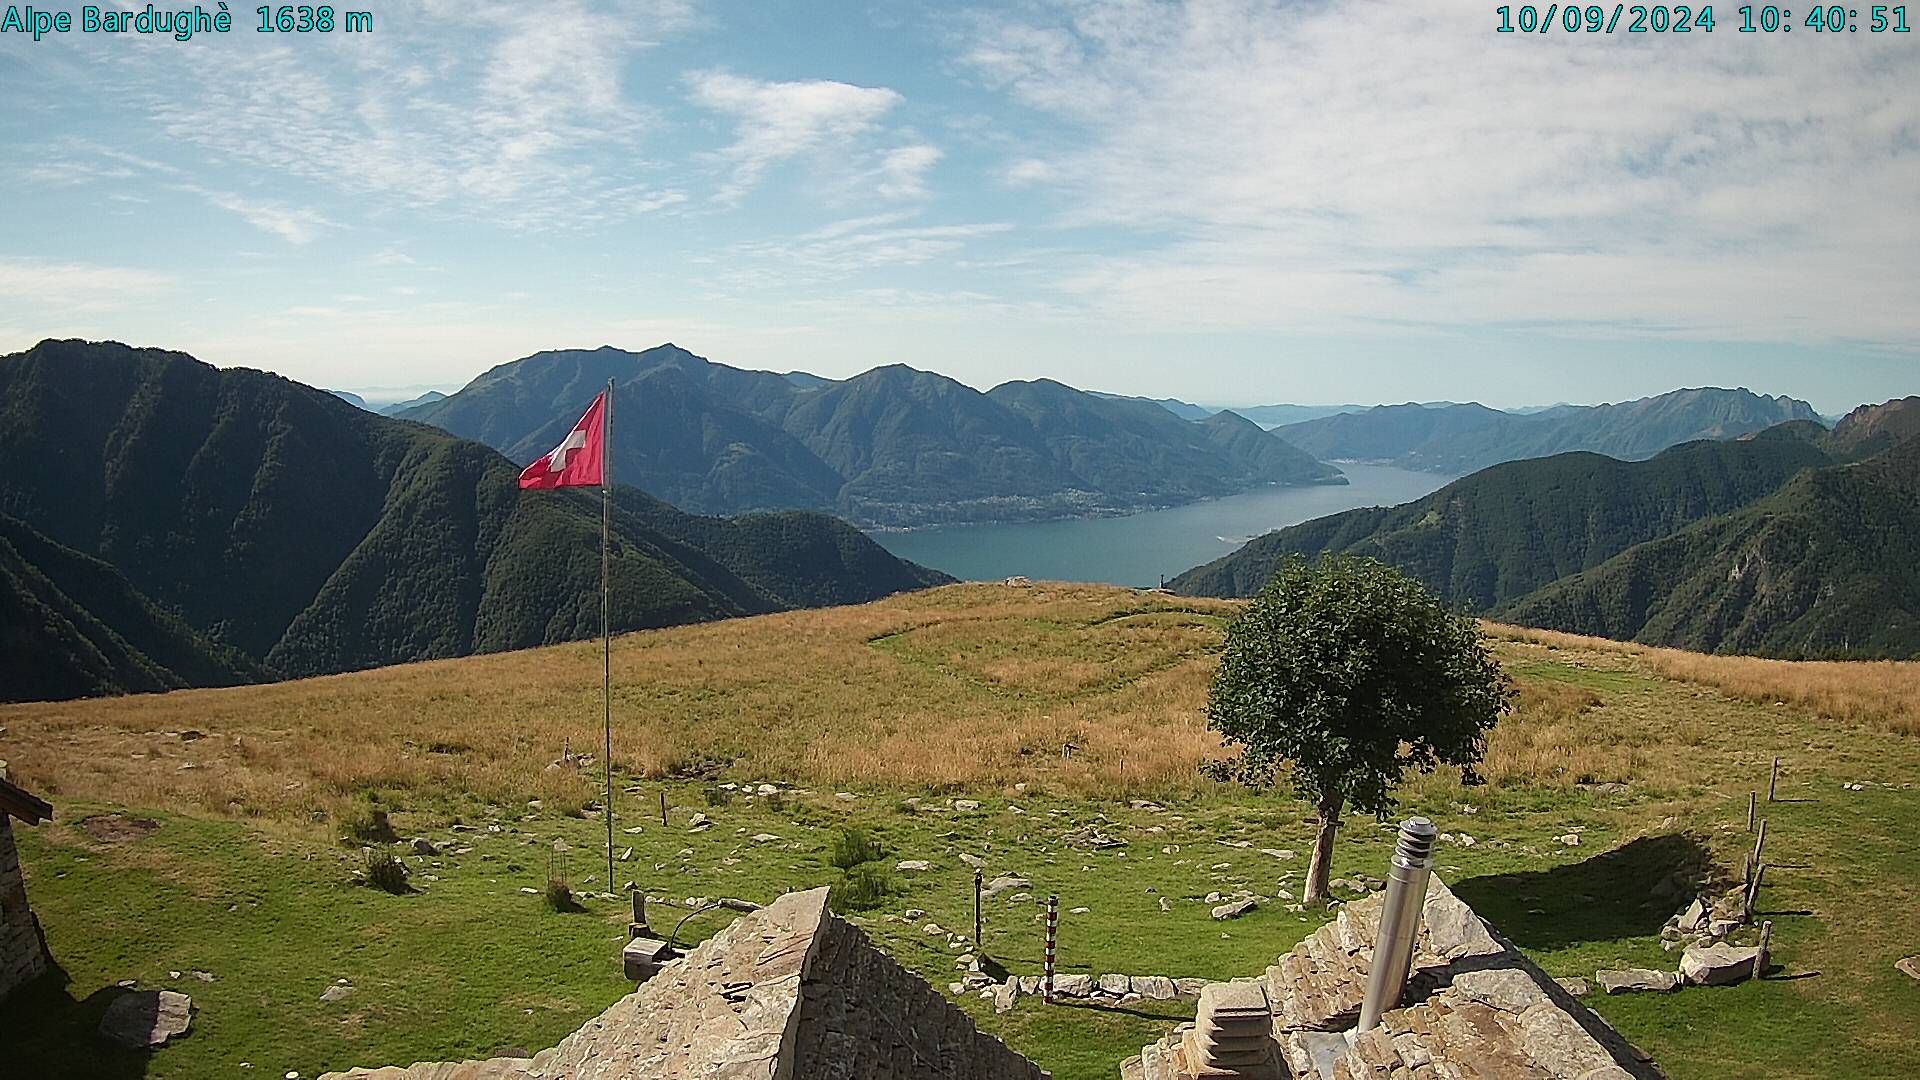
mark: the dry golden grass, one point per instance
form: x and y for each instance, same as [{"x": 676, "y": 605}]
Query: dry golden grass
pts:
[
  {"x": 1883, "y": 694},
  {"x": 969, "y": 686}
]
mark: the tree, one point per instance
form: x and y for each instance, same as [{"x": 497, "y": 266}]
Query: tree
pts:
[{"x": 1348, "y": 673}]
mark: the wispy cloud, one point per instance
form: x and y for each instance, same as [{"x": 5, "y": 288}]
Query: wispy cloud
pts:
[
  {"x": 512, "y": 111},
  {"x": 1281, "y": 170},
  {"x": 816, "y": 119},
  {"x": 883, "y": 240},
  {"x": 77, "y": 286}
]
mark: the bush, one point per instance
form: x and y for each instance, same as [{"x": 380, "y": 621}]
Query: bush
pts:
[
  {"x": 559, "y": 897},
  {"x": 386, "y": 872},
  {"x": 851, "y": 848},
  {"x": 862, "y": 888}
]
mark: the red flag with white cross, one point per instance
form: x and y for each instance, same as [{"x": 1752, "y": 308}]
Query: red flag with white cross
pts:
[{"x": 580, "y": 458}]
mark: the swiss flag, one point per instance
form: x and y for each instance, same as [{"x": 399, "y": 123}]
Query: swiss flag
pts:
[{"x": 578, "y": 460}]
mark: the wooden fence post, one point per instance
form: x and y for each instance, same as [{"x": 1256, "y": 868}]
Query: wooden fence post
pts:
[
  {"x": 1760, "y": 957},
  {"x": 1773, "y": 779}
]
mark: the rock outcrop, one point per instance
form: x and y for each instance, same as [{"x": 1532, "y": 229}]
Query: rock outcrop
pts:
[{"x": 788, "y": 991}]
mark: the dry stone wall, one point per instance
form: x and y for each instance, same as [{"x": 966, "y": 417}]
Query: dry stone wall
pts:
[
  {"x": 23, "y": 949},
  {"x": 864, "y": 1017},
  {"x": 786, "y": 992}
]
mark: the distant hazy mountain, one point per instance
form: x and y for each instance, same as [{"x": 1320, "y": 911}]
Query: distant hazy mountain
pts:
[
  {"x": 1780, "y": 543},
  {"x": 1273, "y": 416},
  {"x": 893, "y": 446},
  {"x": 226, "y": 524},
  {"x": 1505, "y": 531},
  {"x": 1465, "y": 438},
  {"x": 352, "y": 399},
  {"x": 1185, "y": 410},
  {"x": 398, "y": 407}
]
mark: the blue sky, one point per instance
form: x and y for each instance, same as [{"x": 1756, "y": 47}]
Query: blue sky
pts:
[{"x": 1225, "y": 201}]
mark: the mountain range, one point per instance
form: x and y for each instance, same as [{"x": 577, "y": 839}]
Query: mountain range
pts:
[
  {"x": 892, "y": 447},
  {"x": 1463, "y": 438},
  {"x": 1794, "y": 541},
  {"x": 182, "y": 525}
]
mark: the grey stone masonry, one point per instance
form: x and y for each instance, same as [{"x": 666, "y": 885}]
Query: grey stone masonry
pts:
[
  {"x": 23, "y": 949},
  {"x": 785, "y": 993}
]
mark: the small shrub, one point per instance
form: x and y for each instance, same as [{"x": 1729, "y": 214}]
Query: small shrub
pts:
[
  {"x": 559, "y": 896},
  {"x": 862, "y": 888},
  {"x": 386, "y": 872},
  {"x": 851, "y": 848}
]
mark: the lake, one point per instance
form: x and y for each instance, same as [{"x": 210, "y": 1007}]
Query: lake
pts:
[{"x": 1138, "y": 548}]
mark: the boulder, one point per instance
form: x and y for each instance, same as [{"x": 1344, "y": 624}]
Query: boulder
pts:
[
  {"x": 1717, "y": 965},
  {"x": 1002, "y": 884},
  {"x": 1004, "y": 995},
  {"x": 1909, "y": 967},
  {"x": 1235, "y": 909},
  {"x": 1189, "y": 988},
  {"x": 974, "y": 861},
  {"x": 144, "y": 1019},
  {"x": 1637, "y": 980},
  {"x": 1115, "y": 984}
]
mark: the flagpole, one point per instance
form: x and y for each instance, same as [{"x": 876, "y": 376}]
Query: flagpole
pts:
[{"x": 606, "y": 625}]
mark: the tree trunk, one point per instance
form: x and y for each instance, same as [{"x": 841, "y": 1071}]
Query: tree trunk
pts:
[{"x": 1322, "y": 864}]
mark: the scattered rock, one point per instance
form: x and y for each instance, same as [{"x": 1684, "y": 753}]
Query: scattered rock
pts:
[
  {"x": 1570, "y": 839},
  {"x": 933, "y": 928},
  {"x": 965, "y": 804},
  {"x": 1166, "y": 904},
  {"x": 1637, "y": 980},
  {"x": 1279, "y": 853},
  {"x": 766, "y": 789},
  {"x": 974, "y": 861},
  {"x": 1910, "y": 966},
  {"x": 1693, "y": 918},
  {"x": 1235, "y": 909},
  {"x": 1004, "y": 995},
  {"x": 913, "y": 914},
  {"x": 337, "y": 991},
  {"x": 913, "y": 865},
  {"x": 764, "y": 838},
  {"x": 699, "y": 823},
  {"x": 146, "y": 1018},
  {"x": 1078, "y": 911},
  {"x": 1576, "y": 986},
  {"x": 1189, "y": 987},
  {"x": 1720, "y": 928},
  {"x": 424, "y": 846},
  {"x": 1002, "y": 884},
  {"x": 1115, "y": 984},
  {"x": 1717, "y": 965}
]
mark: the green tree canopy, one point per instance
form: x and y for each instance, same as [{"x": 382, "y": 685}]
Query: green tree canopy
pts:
[{"x": 1346, "y": 674}]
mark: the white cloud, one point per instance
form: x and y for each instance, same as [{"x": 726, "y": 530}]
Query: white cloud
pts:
[
  {"x": 294, "y": 224},
  {"x": 508, "y": 111},
  {"x": 1321, "y": 167},
  {"x": 818, "y": 119},
  {"x": 71, "y": 286}
]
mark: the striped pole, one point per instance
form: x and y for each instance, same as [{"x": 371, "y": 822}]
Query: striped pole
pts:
[{"x": 1053, "y": 933}]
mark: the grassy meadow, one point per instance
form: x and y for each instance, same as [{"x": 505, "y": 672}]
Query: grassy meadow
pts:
[{"x": 965, "y": 692}]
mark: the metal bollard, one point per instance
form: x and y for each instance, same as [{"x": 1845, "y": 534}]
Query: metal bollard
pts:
[{"x": 1399, "y": 920}]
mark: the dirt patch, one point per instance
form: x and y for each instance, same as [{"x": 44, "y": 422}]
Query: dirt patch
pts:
[{"x": 117, "y": 828}]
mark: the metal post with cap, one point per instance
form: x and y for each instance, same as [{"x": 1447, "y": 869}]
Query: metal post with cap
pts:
[{"x": 1406, "y": 895}]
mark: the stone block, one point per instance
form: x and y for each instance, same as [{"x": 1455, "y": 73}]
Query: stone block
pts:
[
  {"x": 1717, "y": 965},
  {"x": 1637, "y": 980}
]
